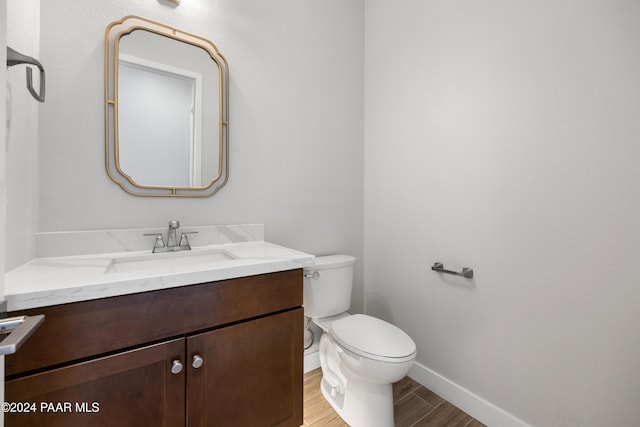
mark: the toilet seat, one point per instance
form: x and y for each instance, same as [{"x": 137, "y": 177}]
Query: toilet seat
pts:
[{"x": 373, "y": 338}]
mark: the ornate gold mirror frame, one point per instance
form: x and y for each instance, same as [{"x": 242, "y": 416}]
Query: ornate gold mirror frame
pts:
[{"x": 113, "y": 35}]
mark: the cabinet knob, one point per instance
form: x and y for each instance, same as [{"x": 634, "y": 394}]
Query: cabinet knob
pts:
[
  {"x": 176, "y": 367},
  {"x": 197, "y": 361}
]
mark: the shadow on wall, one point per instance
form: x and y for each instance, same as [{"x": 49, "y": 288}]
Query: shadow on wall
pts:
[{"x": 376, "y": 305}]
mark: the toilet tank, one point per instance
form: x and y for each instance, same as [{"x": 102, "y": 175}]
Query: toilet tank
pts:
[{"x": 327, "y": 286}]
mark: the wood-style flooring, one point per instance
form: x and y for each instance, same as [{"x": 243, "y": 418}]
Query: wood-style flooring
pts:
[{"x": 415, "y": 406}]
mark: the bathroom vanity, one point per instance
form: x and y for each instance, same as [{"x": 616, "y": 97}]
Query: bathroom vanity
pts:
[{"x": 223, "y": 352}]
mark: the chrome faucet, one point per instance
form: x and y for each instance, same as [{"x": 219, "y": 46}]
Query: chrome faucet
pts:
[
  {"x": 173, "y": 244},
  {"x": 172, "y": 240}
]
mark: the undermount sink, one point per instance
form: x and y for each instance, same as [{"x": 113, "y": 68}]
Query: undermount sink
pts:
[{"x": 168, "y": 262}]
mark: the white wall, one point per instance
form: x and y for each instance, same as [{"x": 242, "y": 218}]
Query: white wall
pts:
[
  {"x": 503, "y": 136},
  {"x": 23, "y": 33},
  {"x": 296, "y": 135}
]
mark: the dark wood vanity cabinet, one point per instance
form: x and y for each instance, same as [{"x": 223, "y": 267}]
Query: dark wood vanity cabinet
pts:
[{"x": 225, "y": 353}]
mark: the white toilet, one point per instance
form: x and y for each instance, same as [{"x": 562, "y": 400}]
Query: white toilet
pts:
[{"x": 360, "y": 356}]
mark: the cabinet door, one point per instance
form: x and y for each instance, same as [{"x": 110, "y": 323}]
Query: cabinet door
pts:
[
  {"x": 127, "y": 389},
  {"x": 251, "y": 374}
]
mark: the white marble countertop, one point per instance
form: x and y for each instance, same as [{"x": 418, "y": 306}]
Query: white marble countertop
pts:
[{"x": 64, "y": 279}]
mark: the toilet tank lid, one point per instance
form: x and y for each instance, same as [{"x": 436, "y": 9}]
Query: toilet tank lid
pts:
[{"x": 332, "y": 261}]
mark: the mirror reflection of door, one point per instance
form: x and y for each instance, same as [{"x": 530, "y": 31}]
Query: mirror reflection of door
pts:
[
  {"x": 158, "y": 112},
  {"x": 162, "y": 145}
]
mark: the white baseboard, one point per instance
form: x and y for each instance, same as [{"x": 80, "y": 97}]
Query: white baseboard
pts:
[
  {"x": 311, "y": 361},
  {"x": 472, "y": 404}
]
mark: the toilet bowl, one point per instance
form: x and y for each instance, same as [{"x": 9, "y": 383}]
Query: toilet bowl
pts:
[{"x": 360, "y": 355}]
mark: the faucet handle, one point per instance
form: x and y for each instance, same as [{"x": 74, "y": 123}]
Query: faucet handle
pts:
[
  {"x": 184, "y": 241},
  {"x": 159, "y": 243}
]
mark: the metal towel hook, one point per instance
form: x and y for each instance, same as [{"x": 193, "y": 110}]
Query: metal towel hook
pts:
[{"x": 15, "y": 58}]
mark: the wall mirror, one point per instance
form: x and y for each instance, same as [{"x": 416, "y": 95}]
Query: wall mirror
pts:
[{"x": 166, "y": 107}]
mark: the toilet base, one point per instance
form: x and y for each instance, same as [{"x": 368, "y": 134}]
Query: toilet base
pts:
[{"x": 362, "y": 405}]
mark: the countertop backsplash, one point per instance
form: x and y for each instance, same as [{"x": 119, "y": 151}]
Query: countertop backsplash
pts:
[{"x": 69, "y": 243}]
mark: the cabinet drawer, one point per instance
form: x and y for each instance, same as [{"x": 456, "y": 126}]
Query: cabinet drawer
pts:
[{"x": 84, "y": 329}]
